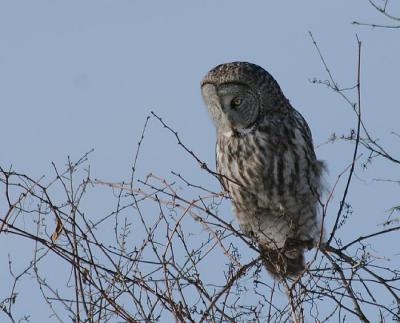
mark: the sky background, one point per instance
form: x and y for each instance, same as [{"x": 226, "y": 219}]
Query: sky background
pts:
[{"x": 79, "y": 75}]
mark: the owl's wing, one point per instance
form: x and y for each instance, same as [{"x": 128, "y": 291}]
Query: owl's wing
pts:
[
  {"x": 305, "y": 130},
  {"x": 318, "y": 166}
]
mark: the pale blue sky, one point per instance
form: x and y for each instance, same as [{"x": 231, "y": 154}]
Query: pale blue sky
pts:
[{"x": 76, "y": 75}]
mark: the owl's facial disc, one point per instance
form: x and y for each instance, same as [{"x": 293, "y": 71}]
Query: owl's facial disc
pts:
[
  {"x": 211, "y": 99},
  {"x": 239, "y": 104},
  {"x": 232, "y": 106}
]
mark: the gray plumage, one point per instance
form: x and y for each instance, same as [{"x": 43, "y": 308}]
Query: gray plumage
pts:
[{"x": 267, "y": 163}]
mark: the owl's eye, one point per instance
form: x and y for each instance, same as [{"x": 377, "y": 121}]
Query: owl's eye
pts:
[{"x": 236, "y": 102}]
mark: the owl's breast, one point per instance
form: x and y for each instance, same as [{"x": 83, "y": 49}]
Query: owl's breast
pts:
[
  {"x": 243, "y": 165},
  {"x": 265, "y": 170}
]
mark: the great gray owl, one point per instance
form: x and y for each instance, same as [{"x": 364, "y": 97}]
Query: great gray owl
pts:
[{"x": 266, "y": 161}]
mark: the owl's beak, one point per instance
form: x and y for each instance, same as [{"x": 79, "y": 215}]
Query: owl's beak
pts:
[
  {"x": 209, "y": 93},
  {"x": 210, "y": 96},
  {"x": 212, "y": 100}
]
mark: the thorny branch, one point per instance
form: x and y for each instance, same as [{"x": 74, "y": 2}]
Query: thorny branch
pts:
[{"x": 386, "y": 12}]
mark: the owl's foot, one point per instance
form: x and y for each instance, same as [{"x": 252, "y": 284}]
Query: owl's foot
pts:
[{"x": 283, "y": 263}]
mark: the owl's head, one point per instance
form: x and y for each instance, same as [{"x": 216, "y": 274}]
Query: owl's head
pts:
[{"x": 238, "y": 94}]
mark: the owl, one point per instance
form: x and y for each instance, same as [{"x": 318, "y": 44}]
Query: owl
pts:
[{"x": 266, "y": 161}]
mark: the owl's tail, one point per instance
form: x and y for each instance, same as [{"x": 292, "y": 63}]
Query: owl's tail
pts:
[{"x": 285, "y": 262}]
